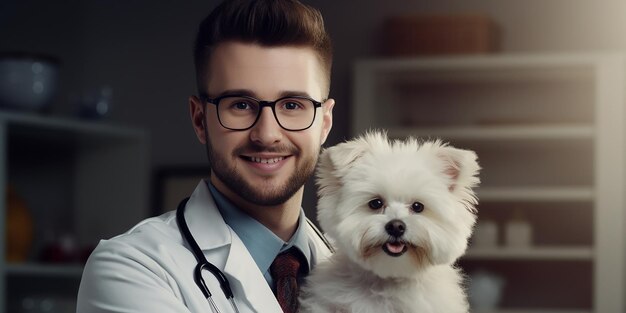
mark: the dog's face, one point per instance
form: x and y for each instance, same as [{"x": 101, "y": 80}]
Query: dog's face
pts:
[{"x": 397, "y": 207}]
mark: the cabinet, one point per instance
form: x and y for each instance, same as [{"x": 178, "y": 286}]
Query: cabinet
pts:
[
  {"x": 549, "y": 133},
  {"x": 83, "y": 179}
]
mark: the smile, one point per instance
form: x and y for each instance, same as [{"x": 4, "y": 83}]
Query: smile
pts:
[
  {"x": 395, "y": 248},
  {"x": 266, "y": 161}
]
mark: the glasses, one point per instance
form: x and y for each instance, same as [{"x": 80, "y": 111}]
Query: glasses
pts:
[{"x": 293, "y": 113}]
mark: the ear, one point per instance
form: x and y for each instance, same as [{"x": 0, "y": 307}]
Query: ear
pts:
[
  {"x": 327, "y": 118},
  {"x": 198, "y": 118},
  {"x": 333, "y": 163},
  {"x": 461, "y": 167},
  {"x": 336, "y": 161}
]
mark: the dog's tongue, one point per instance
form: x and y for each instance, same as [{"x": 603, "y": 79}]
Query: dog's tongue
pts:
[{"x": 395, "y": 247}]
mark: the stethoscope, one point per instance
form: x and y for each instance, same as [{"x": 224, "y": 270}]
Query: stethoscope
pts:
[{"x": 204, "y": 264}]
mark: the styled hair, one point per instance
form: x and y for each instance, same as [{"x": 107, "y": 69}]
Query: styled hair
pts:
[{"x": 269, "y": 23}]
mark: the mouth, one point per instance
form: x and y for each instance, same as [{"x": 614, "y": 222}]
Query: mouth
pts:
[
  {"x": 261, "y": 160},
  {"x": 395, "y": 248},
  {"x": 265, "y": 165}
]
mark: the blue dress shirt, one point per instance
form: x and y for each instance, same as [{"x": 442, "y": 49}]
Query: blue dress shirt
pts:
[{"x": 261, "y": 242}]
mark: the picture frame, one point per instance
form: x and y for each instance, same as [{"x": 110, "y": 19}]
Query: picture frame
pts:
[{"x": 172, "y": 184}]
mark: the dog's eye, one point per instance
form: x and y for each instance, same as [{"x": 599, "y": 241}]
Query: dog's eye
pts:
[
  {"x": 376, "y": 204},
  {"x": 417, "y": 207}
]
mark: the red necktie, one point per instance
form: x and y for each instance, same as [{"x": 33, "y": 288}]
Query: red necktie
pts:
[{"x": 284, "y": 270}]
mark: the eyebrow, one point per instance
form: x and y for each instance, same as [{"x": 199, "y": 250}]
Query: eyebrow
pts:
[{"x": 250, "y": 93}]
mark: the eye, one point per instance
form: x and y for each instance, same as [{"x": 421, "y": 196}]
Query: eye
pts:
[
  {"x": 376, "y": 204},
  {"x": 290, "y": 105},
  {"x": 417, "y": 207},
  {"x": 237, "y": 104},
  {"x": 241, "y": 105}
]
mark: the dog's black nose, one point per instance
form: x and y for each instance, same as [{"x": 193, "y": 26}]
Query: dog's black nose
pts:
[{"x": 395, "y": 228}]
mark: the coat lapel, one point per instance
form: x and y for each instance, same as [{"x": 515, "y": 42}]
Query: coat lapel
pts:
[{"x": 246, "y": 278}]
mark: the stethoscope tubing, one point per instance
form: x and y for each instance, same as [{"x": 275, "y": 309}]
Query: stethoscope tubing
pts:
[{"x": 203, "y": 263}]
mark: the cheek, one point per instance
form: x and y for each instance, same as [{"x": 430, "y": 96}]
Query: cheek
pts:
[
  {"x": 224, "y": 142},
  {"x": 214, "y": 129},
  {"x": 317, "y": 129},
  {"x": 308, "y": 142},
  {"x": 359, "y": 221}
]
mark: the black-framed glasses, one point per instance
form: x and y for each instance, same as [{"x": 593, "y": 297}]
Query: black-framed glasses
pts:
[{"x": 293, "y": 113}]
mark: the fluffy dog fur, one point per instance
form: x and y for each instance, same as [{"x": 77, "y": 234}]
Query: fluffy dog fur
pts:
[{"x": 400, "y": 214}]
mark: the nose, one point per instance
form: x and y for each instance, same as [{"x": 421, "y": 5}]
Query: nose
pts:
[
  {"x": 266, "y": 131},
  {"x": 395, "y": 228}
]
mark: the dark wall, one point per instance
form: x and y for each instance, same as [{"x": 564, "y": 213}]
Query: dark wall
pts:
[{"x": 142, "y": 50}]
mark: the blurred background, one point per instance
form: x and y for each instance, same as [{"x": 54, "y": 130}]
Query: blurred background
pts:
[{"x": 95, "y": 132}]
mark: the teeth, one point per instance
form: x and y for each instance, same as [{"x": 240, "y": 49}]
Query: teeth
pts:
[{"x": 266, "y": 161}]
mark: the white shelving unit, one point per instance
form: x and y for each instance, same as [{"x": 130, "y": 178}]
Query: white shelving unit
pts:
[
  {"x": 83, "y": 178},
  {"x": 549, "y": 133}
]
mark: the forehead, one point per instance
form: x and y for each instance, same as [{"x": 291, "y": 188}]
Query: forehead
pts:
[{"x": 266, "y": 71}]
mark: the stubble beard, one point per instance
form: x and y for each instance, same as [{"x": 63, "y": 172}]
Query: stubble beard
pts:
[{"x": 262, "y": 195}]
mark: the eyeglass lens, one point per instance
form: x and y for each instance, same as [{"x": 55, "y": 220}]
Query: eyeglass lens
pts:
[{"x": 241, "y": 112}]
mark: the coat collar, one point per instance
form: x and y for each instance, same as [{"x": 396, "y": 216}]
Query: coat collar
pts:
[{"x": 202, "y": 211}]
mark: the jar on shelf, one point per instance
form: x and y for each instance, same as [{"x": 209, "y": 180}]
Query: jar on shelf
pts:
[{"x": 518, "y": 231}]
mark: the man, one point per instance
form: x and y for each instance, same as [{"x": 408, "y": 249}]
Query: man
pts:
[{"x": 263, "y": 73}]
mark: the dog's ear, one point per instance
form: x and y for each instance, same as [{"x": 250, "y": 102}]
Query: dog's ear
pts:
[
  {"x": 336, "y": 161},
  {"x": 461, "y": 167},
  {"x": 343, "y": 155}
]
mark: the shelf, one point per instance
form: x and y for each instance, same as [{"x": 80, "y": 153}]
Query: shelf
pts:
[
  {"x": 492, "y": 68},
  {"x": 50, "y": 270},
  {"x": 537, "y": 253},
  {"x": 52, "y": 123},
  {"x": 533, "y": 194},
  {"x": 64, "y": 169},
  {"x": 518, "y": 132}
]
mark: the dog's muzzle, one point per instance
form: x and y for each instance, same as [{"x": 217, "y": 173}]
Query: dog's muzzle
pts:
[{"x": 395, "y": 247}]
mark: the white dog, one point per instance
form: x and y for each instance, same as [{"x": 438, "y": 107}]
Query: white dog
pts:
[{"x": 400, "y": 214}]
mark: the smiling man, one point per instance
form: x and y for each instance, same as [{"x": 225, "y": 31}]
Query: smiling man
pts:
[
  {"x": 241, "y": 242},
  {"x": 256, "y": 163}
]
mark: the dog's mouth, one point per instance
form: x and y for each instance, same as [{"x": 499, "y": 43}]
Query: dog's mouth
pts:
[{"x": 395, "y": 248}]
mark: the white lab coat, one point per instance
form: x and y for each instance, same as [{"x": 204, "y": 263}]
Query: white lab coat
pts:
[{"x": 149, "y": 269}]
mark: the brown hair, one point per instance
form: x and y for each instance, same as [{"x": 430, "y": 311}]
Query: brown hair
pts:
[{"x": 268, "y": 23}]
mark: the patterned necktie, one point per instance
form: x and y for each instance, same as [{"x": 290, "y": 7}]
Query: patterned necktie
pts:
[{"x": 284, "y": 271}]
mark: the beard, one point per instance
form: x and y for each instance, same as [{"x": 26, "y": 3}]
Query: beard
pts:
[{"x": 264, "y": 194}]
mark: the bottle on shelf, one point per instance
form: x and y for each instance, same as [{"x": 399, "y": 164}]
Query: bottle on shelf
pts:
[{"x": 19, "y": 227}]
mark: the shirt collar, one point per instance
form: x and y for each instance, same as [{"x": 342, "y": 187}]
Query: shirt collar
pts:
[{"x": 261, "y": 242}]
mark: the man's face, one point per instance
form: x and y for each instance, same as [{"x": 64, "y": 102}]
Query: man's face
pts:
[{"x": 264, "y": 165}]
